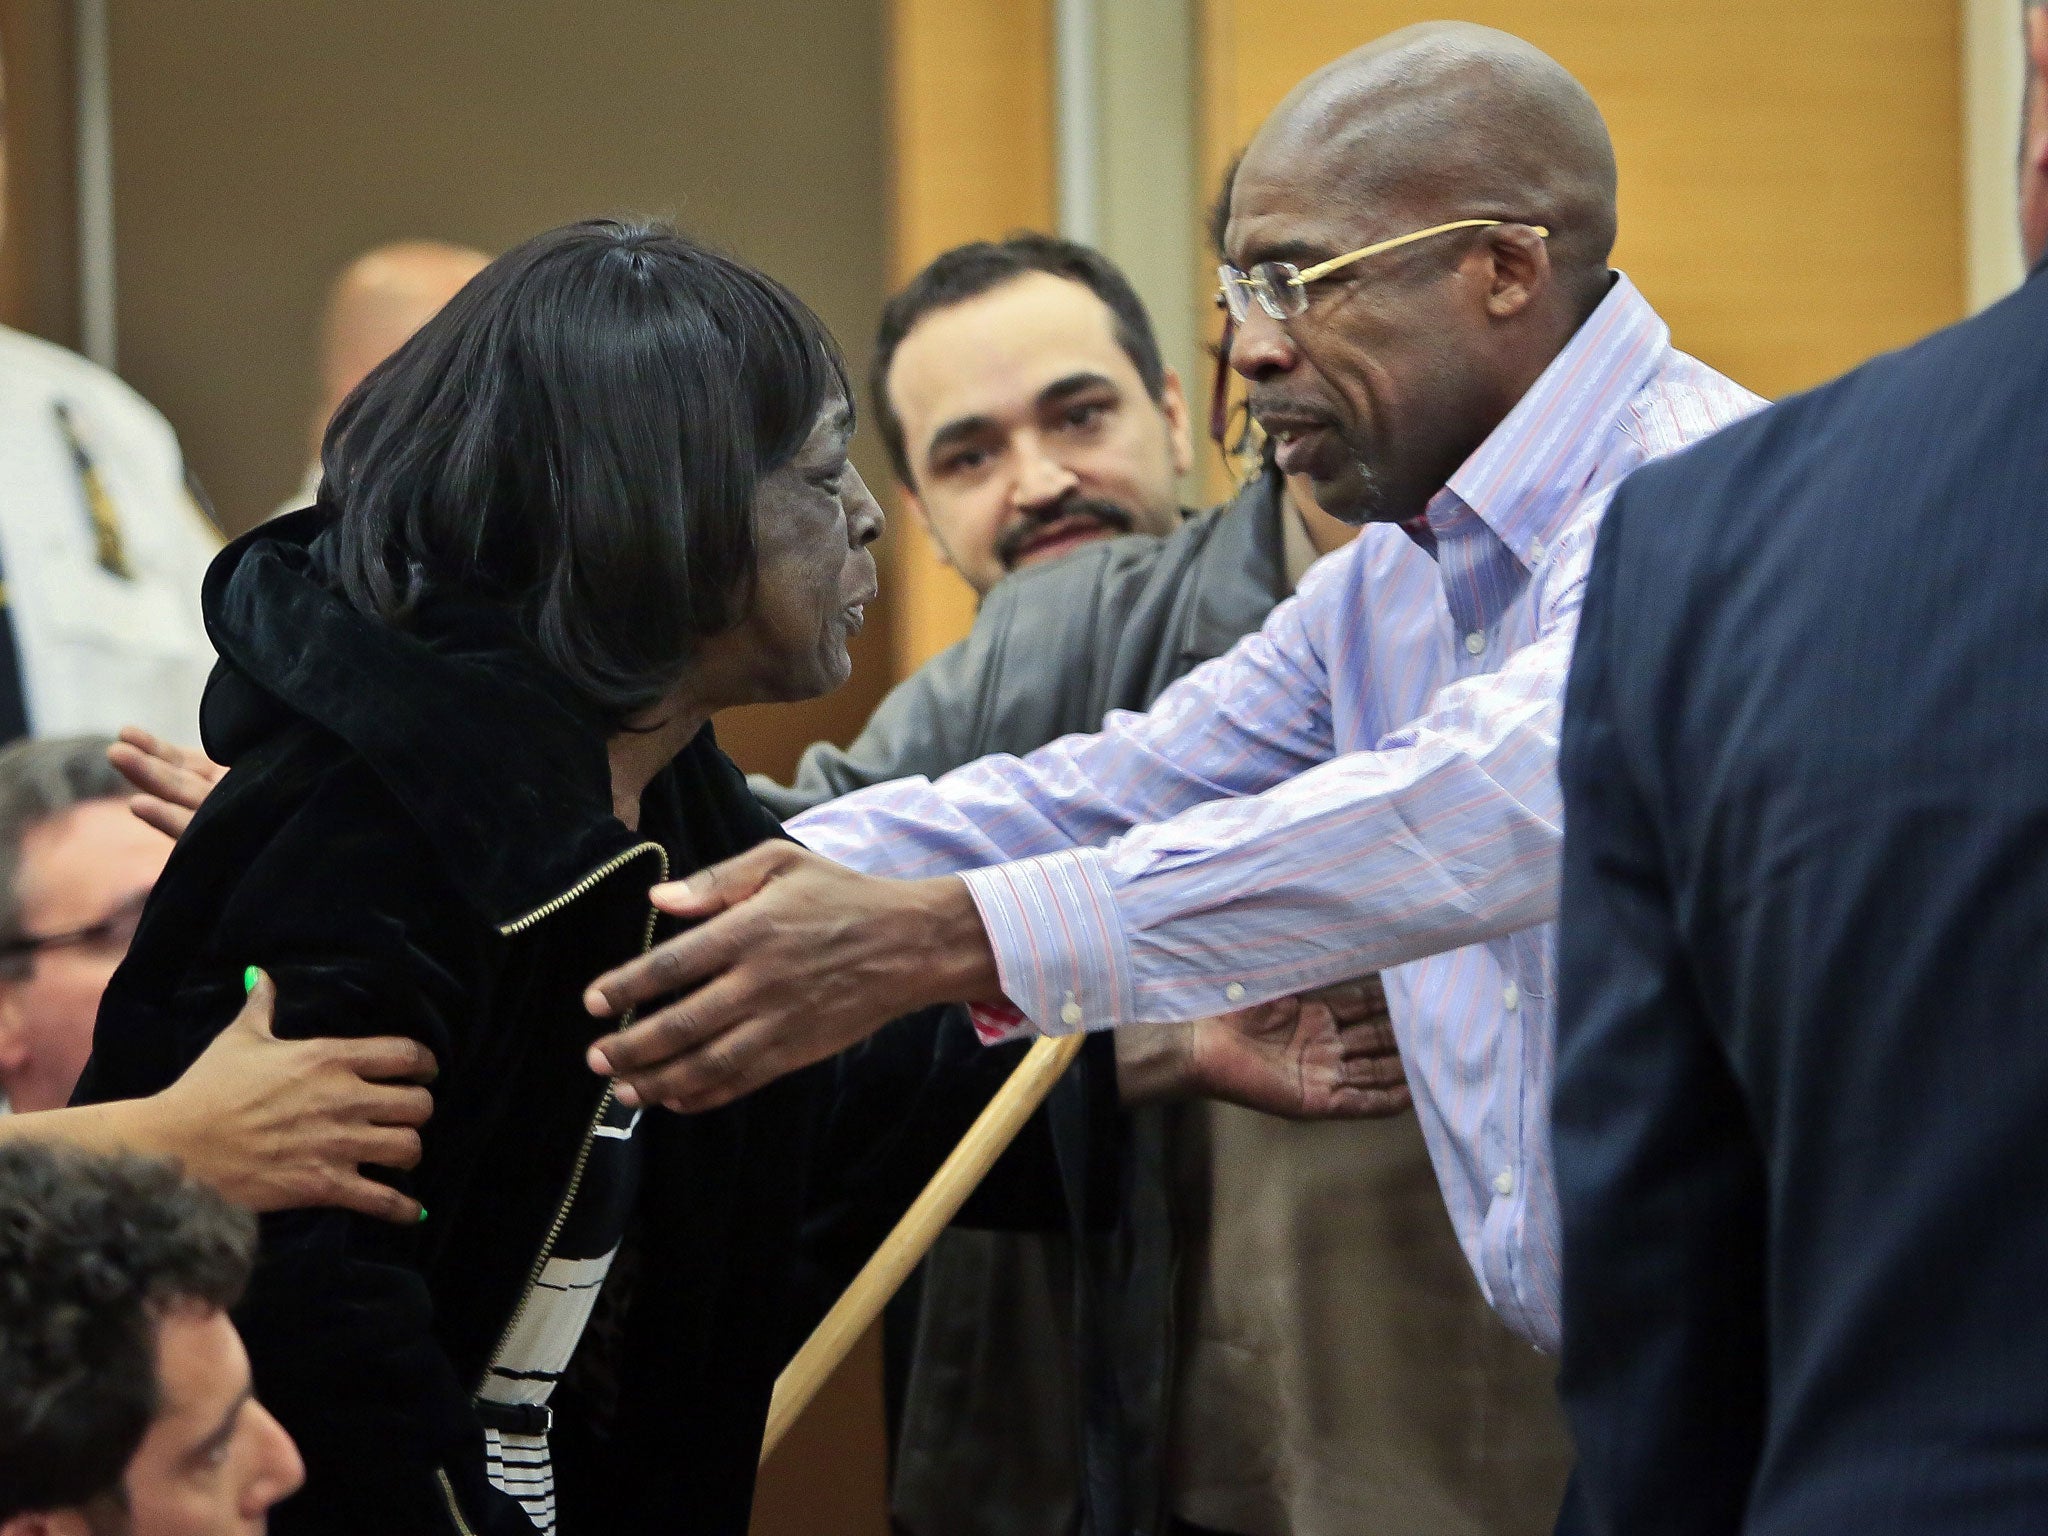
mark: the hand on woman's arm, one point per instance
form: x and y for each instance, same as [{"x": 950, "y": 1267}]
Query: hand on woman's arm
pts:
[{"x": 273, "y": 1124}]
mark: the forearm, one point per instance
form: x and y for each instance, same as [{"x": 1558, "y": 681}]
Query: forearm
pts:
[
  {"x": 952, "y": 960},
  {"x": 1154, "y": 1064},
  {"x": 124, "y": 1125},
  {"x": 1293, "y": 895},
  {"x": 1197, "y": 743},
  {"x": 1446, "y": 834}
]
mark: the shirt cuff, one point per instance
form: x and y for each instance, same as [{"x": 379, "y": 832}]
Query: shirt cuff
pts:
[
  {"x": 1061, "y": 952},
  {"x": 998, "y": 1023}
]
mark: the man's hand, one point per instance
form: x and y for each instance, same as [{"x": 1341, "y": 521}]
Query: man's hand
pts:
[
  {"x": 1327, "y": 1056},
  {"x": 171, "y": 780},
  {"x": 797, "y": 958},
  {"x": 276, "y": 1124}
]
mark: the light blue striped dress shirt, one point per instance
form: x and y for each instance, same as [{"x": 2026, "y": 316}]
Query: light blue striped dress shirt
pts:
[{"x": 1367, "y": 784}]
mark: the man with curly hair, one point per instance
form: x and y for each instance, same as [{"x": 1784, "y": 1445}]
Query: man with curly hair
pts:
[{"x": 126, "y": 1406}]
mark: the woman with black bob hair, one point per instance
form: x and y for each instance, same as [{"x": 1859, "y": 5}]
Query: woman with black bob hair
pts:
[{"x": 601, "y": 495}]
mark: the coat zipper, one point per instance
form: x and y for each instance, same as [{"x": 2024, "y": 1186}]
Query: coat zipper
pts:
[
  {"x": 454, "y": 1509},
  {"x": 582, "y": 888}
]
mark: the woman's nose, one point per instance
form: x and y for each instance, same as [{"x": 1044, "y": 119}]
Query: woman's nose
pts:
[{"x": 864, "y": 516}]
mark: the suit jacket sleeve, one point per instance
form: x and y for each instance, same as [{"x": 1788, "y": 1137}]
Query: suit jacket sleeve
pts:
[{"x": 1659, "y": 1186}]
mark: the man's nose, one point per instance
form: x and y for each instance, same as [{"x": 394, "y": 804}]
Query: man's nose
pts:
[
  {"x": 280, "y": 1471},
  {"x": 1261, "y": 348},
  {"x": 864, "y": 516},
  {"x": 1042, "y": 479}
]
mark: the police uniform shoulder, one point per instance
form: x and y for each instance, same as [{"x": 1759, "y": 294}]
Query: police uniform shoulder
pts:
[{"x": 31, "y": 366}]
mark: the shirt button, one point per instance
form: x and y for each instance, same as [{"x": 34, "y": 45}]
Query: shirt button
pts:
[
  {"x": 1235, "y": 991},
  {"x": 1511, "y": 997},
  {"x": 1475, "y": 643},
  {"x": 1070, "y": 1013},
  {"x": 1504, "y": 1182}
]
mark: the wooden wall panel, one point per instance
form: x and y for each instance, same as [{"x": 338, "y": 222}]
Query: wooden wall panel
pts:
[
  {"x": 258, "y": 147},
  {"x": 1789, "y": 185},
  {"x": 971, "y": 128},
  {"x": 39, "y": 241}
]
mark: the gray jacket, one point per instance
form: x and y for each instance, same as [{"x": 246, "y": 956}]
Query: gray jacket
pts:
[{"x": 1074, "y": 1328}]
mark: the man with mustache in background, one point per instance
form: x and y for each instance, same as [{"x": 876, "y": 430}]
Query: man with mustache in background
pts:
[{"x": 1025, "y": 406}]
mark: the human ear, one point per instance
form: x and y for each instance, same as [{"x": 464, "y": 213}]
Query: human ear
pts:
[
  {"x": 1173, "y": 405},
  {"x": 1518, "y": 268}
]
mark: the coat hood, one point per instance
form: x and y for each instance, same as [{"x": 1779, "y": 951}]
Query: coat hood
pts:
[{"x": 486, "y": 748}]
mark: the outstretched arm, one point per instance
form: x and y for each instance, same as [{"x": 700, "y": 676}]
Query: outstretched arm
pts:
[
  {"x": 272, "y": 1124},
  {"x": 1275, "y": 872}
]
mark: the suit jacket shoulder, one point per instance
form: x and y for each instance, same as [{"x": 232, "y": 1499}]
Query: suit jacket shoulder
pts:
[
  {"x": 1801, "y": 948},
  {"x": 1901, "y": 421}
]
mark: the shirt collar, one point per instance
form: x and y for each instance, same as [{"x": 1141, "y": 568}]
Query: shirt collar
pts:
[{"x": 1530, "y": 474}]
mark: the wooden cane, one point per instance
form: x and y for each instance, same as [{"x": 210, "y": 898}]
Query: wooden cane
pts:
[{"x": 856, "y": 1310}]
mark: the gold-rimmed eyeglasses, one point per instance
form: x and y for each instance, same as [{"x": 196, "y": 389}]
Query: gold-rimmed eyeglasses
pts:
[{"x": 1282, "y": 288}]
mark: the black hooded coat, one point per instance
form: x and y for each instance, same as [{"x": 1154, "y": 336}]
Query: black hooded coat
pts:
[{"x": 417, "y": 837}]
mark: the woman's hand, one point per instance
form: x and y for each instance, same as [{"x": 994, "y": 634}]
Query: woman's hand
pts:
[
  {"x": 1329, "y": 1055},
  {"x": 276, "y": 1124},
  {"x": 171, "y": 780}
]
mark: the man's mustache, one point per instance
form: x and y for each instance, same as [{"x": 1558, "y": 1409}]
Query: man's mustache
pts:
[{"x": 1011, "y": 544}]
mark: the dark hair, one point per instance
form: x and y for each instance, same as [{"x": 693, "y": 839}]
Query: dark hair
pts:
[
  {"x": 92, "y": 1250},
  {"x": 968, "y": 271},
  {"x": 578, "y": 435}
]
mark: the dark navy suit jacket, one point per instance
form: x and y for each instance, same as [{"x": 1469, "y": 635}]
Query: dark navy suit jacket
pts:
[{"x": 1802, "y": 1090}]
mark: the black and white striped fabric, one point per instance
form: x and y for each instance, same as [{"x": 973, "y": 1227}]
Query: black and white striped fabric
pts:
[{"x": 544, "y": 1335}]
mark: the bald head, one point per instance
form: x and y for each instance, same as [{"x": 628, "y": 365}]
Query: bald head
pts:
[
  {"x": 375, "y": 305},
  {"x": 1447, "y": 120},
  {"x": 1390, "y": 373}
]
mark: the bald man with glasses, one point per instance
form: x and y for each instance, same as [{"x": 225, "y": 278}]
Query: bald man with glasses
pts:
[{"x": 1368, "y": 783}]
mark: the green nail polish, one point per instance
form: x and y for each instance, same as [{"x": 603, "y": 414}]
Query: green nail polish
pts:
[
  {"x": 423, "y": 1213},
  {"x": 249, "y": 980}
]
